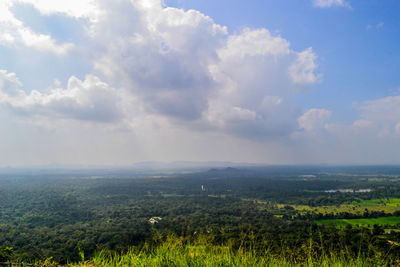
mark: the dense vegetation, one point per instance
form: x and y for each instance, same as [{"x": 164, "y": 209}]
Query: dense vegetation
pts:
[{"x": 269, "y": 214}]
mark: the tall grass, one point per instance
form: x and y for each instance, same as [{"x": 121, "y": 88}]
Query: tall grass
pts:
[{"x": 174, "y": 251}]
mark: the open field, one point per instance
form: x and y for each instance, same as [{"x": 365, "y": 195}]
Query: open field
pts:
[
  {"x": 350, "y": 208},
  {"x": 382, "y": 202},
  {"x": 392, "y": 220},
  {"x": 387, "y": 205}
]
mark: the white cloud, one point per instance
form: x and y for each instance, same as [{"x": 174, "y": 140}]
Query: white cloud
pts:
[
  {"x": 73, "y": 8},
  {"x": 377, "y": 26},
  {"x": 257, "y": 74},
  {"x": 41, "y": 42},
  {"x": 362, "y": 124},
  {"x": 302, "y": 69},
  {"x": 331, "y": 3},
  {"x": 385, "y": 109},
  {"x": 373, "y": 137},
  {"x": 380, "y": 117},
  {"x": 258, "y": 42},
  {"x": 313, "y": 119},
  {"x": 14, "y": 32},
  {"x": 378, "y": 120},
  {"x": 182, "y": 66},
  {"x": 179, "y": 76},
  {"x": 9, "y": 83},
  {"x": 184, "y": 84},
  {"x": 160, "y": 54},
  {"x": 88, "y": 100}
]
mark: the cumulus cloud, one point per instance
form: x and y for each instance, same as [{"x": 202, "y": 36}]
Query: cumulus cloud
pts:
[
  {"x": 14, "y": 32},
  {"x": 184, "y": 66},
  {"x": 302, "y": 69},
  {"x": 9, "y": 83},
  {"x": 373, "y": 137},
  {"x": 378, "y": 121},
  {"x": 178, "y": 65},
  {"x": 385, "y": 109},
  {"x": 163, "y": 58},
  {"x": 88, "y": 100},
  {"x": 181, "y": 78},
  {"x": 258, "y": 74},
  {"x": 72, "y": 8},
  {"x": 382, "y": 115},
  {"x": 313, "y": 119},
  {"x": 331, "y": 3}
]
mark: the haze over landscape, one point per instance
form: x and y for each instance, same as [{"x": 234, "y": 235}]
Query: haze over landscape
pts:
[
  {"x": 272, "y": 82},
  {"x": 199, "y": 133}
]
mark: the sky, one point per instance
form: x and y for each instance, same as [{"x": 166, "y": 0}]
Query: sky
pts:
[{"x": 98, "y": 82}]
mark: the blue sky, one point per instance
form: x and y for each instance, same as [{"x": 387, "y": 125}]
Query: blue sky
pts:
[
  {"x": 357, "y": 47},
  {"x": 279, "y": 82}
]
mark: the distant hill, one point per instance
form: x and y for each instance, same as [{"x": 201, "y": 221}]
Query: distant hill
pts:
[{"x": 189, "y": 164}]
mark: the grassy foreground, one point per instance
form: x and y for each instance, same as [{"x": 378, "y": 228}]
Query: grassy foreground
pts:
[{"x": 174, "y": 252}]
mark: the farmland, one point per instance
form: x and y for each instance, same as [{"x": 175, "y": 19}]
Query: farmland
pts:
[
  {"x": 386, "y": 205},
  {"x": 390, "y": 220}
]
